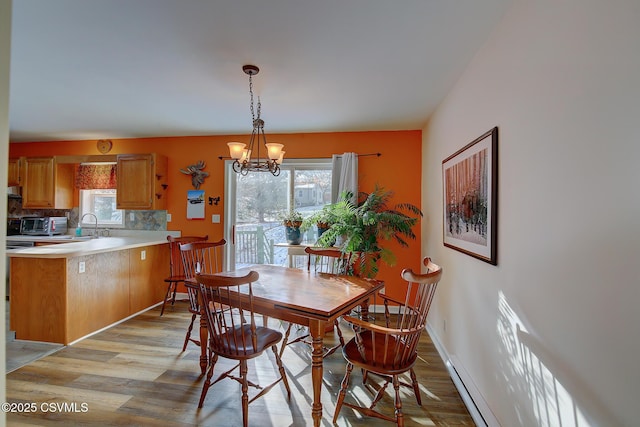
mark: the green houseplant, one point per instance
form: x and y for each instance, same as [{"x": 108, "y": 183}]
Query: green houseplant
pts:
[
  {"x": 364, "y": 225},
  {"x": 322, "y": 219},
  {"x": 292, "y": 223}
]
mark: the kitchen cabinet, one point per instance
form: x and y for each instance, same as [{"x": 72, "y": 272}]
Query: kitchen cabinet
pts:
[
  {"x": 15, "y": 172},
  {"x": 147, "y": 268},
  {"x": 46, "y": 184},
  {"x": 64, "y": 299},
  {"x": 142, "y": 181}
]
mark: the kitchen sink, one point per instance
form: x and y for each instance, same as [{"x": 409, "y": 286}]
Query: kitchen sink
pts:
[{"x": 75, "y": 238}]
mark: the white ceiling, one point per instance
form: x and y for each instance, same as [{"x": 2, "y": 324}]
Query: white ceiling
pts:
[{"x": 93, "y": 69}]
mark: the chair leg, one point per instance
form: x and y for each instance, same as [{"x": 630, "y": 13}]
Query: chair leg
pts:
[
  {"x": 166, "y": 297},
  {"x": 343, "y": 391},
  {"x": 175, "y": 291},
  {"x": 186, "y": 339},
  {"x": 283, "y": 375},
  {"x": 416, "y": 388},
  {"x": 245, "y": 394},
  {"x": 285, "y": 339},
  {"x": 207, "y": 382},
  {"x": 398, "y": 411},
  {"x": 340, "y": 337}
]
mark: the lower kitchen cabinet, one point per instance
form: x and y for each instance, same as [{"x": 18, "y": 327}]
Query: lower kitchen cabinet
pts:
[{"x": 61, "y": 300}]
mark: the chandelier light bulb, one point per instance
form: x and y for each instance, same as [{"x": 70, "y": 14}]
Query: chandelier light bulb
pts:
[
  {"x": 273, "y": 150},
  {"x": 236, "y": 149}
]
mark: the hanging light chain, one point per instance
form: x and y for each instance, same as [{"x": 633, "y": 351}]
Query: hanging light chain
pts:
[{"x": 253, "y": 116}]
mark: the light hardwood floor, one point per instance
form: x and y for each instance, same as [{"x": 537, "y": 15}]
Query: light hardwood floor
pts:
[{"x": 135, "y": 374}]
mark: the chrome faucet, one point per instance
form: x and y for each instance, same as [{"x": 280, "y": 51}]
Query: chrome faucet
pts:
[{"x": 95, "y": 230}]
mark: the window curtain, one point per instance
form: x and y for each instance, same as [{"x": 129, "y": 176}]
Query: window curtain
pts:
[
  {"x": 344, "y": 175},
  {"x": 91, "y": 177}
]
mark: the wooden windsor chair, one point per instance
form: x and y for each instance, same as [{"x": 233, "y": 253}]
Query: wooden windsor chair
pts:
[
  {"x": 176, "y": 270},
  {"x": 390, "y": 350},
  {"x": 198, "y": 257},
  {"x": 321, "y": 260},
  {"x": 234, "y": 334}
]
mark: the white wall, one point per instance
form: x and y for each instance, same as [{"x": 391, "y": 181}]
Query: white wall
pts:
[
  {"x": 551, "y": 336},
  {"x": 5, "y": 47}
]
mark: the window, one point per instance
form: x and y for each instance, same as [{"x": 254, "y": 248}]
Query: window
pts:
[{"x": 102, "y": 204}]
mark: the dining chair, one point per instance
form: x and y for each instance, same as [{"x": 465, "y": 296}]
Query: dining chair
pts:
[
  {"x": 390, "y": 349},
  {"x": 198, "y": 257},
  {"x": 234, "y": 334},
  {"x": 321, "y": 260},
  {"x": 176, "y": 271}
]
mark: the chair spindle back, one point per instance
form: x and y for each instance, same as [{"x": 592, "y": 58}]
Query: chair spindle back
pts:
[
  {"x": 200, "y": 257},
  {"x": 327, "y": 260},
  {"x": 175, "y": 260},
  {"x": 232, "y": 333}
]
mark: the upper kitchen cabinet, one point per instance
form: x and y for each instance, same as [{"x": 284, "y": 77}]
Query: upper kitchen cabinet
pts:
[
  {"x": 46, "y": 184},
  {"x": 142, "y": 181},
  {"x": 15, "y": 172}
]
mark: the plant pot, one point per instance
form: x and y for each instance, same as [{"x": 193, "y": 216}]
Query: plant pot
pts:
[
  {"x": 322, "y": 227},
  {"x": 293, "y": 235}
]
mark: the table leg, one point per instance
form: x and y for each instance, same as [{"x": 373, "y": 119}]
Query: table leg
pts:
[
  {"x": 316, "y": 328},
  {"x": 364, "y": 310}
]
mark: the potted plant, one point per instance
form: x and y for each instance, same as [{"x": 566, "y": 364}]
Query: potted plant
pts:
[
  {"x": 292, "y": 223},
  {"x": 364, "y": 225},
  {"x": 322, "y": 219}
]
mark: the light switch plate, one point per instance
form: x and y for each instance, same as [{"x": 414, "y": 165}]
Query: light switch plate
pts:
[
  {"x": 81, "y": 267},
  {"x": 215, "y": 218},
  {"x": 168, "y": 217}
]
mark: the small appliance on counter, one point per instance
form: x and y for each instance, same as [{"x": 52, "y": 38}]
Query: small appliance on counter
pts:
[
  {"x": 43, "y": 226},
  {"x": 13, "y": 226}
]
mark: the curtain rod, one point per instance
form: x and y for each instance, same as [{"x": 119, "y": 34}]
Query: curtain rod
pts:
[{"x": 310, "y": 158}]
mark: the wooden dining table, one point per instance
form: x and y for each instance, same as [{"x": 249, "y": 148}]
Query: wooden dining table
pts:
[{"x": 306, "y": 298}]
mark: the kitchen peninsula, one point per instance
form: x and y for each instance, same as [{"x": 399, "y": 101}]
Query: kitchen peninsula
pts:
[{"x": 61, "y": 293}]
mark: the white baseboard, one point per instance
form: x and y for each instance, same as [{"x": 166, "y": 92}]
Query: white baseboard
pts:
[
  {"x": 182, "y": 296},
  {"x": 473, "y": 400}
]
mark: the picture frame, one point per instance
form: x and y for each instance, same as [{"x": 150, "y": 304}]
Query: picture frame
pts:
[
  {"x": 195, "y": 204},
  {"x": 470, "y": 198}
]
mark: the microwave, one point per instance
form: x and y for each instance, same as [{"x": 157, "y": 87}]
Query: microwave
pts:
[{"x": 43, "y": 226}]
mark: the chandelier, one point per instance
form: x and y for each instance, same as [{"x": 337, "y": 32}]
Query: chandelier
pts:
[{"x": 248, "y": 159}]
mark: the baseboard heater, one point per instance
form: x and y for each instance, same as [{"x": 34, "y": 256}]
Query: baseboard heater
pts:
[{"x": 476, "y": 405}]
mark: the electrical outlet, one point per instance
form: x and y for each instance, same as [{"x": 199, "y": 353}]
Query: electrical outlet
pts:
[
  {"x": 132, "y": 216},
  {"x": 143, "y": 255},
  {"x": 168, "y": 217},
  {"x": 81, "y": 267}
]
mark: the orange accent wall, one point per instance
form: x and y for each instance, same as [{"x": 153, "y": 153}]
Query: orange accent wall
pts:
[{"x": 398, "y": 169}]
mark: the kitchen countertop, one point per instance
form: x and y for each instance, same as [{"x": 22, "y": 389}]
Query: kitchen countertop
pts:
[
  {"x": 85, "y": 246},
  {"x": 66, "y": 238}
]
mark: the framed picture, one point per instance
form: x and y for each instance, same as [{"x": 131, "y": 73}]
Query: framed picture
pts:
[
  {"x": 195, "y": 204},
  {"x": 470, "y": 190}
]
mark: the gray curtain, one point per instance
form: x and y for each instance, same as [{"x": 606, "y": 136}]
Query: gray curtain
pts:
[{"x": 344, "y": 176}]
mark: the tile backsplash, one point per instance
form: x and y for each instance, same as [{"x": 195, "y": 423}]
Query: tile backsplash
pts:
[{"x": 142, "y": 220}]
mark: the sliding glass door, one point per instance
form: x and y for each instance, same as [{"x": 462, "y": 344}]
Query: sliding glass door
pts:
[{"x": 256, "y": 203}]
